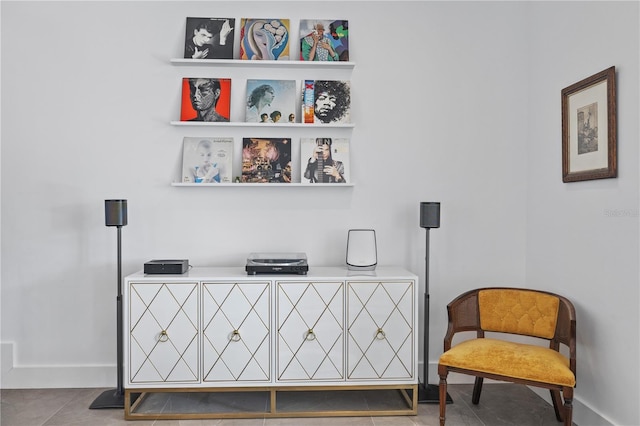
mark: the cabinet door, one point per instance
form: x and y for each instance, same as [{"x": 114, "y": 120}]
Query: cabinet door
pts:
[
  {"x": 380, "y": 336},
  {"x": 163, "y": 332},
  {"x": 236, "y": 341},
  {"x": 310, "y": 331}
]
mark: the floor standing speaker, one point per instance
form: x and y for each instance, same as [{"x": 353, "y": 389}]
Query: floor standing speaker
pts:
[{"x": 429, "y": 218}]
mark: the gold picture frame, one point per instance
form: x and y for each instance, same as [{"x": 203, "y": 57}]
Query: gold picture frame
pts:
[{"x": 589, "y": 145}]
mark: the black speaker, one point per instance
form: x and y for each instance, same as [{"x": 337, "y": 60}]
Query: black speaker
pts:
[
  {"x": 115, "y": 212},
  {"x": 430, "y": 214}
]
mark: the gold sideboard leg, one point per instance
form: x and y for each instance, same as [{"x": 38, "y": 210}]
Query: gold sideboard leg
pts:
[
  {"x": 129, "y": 408},
  {"x": 273, "y": 408},
  {"x": 127, "y": 403}
]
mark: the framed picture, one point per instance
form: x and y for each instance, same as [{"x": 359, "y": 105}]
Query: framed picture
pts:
[{"x": 589, "y": 147}]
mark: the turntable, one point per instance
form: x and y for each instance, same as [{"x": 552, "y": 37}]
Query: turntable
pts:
[{"x": 277, "y": 263}]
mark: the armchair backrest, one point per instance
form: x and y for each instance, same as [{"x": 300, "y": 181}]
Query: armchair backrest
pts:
[{"x": 516, "y": 311}]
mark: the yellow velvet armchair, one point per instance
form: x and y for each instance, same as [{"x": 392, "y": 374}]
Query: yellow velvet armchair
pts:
[{"x": 502, "y": 311}]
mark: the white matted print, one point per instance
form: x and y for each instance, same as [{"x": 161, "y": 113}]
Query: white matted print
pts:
[
  {"x": 589, "y": 142},
  {"x": 207, "y": 160},
  {"x": 324, "y": 160}
]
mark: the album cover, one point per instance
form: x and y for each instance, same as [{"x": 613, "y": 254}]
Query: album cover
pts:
[
  {"x": 264, "y": 39},
  {"x": 209, "y": 38},
  {"x": 326, "y": 101},
  {"x": 324, "y": 160},
  {"x": 266, "y": 160},
  {"x": 206, "y": 99},
  {"x": 207, "y": 160},
  {"x": 324, "y": 40},
  {"x": 271, "y": 101}
]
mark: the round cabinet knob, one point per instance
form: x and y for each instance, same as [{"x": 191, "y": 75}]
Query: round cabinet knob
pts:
[
  {"x": 380, "y": 334},
  {"x": 164, "y": 336},
  {"x": 235, "y": 336}
]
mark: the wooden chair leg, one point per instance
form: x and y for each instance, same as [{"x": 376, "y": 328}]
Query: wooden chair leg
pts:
[
  {"x": 442, "y": 393},
  {"x": 557, "y": 403},
  {"x": 477, "y": 389},
  {"x": 567, "y": 394}
]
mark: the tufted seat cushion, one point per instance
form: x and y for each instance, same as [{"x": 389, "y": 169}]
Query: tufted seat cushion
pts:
[{"x": 519, "y": 360}]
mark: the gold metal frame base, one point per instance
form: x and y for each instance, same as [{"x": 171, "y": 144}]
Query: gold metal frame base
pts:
[{"x": 134, "y": 397}]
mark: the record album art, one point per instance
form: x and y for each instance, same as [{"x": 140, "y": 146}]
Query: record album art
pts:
[
  {"x": 209, "y": 38},
  {"x": 271, "y": 101},
  {"x": 266, "y": 160},
  {"x": 324, "y": 160},
  {"x": 207, "y": 160},
  {"x": 264, "y": 39},
  {"x": 326, "y": 101},
  {"x": 206, "y": 99},
  {"x": 324, "y": 40}
]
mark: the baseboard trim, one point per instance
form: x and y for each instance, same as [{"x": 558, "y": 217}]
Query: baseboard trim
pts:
[
  {"x": 582, "y": 414},
  {"x": 53, "y": 376}
]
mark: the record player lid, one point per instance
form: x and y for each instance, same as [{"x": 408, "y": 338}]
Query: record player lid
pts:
[{"x": 277, "y": 258}]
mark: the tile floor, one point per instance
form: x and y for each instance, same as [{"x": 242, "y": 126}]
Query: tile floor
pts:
[{"x": 500, "y": 405}]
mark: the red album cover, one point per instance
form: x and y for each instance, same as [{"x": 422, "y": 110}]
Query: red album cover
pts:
[{"x": 206, "y": 99}]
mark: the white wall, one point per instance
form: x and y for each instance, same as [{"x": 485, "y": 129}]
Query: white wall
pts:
[
  {"x": 582, "y": 238},
  {"x": 443, "y": 105}
]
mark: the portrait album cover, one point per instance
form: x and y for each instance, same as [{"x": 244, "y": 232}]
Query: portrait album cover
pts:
[
  {"x": 264, "y": 39},
  {"x": 324, "y": 160},
  {"x": 326, "y": 101},
  {"x": 266, "y": 160},
  {"x": 207, "y": 160},
  {"x": 209, "y": 38},
  {"x": 205, "y": 99},
  {"x": 271, "y": 101},
  {"x": 324, "y": 40}
]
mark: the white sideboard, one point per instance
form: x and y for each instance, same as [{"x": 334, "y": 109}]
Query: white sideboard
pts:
[{"x": 221, "y": 330}]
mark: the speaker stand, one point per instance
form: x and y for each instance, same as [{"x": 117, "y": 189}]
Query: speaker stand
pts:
[
  {"x": 114, "y": 398},
  {"x": 111, "y": 398},
  {"x": 427, "y": 393}
]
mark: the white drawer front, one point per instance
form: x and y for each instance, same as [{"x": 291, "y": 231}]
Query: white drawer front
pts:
[{"x": 163, "y": 332}]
